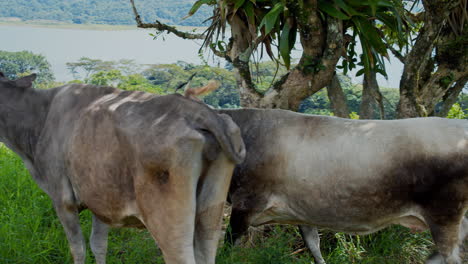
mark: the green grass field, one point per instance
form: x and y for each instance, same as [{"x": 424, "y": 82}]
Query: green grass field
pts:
[{"x": 31, "y": 233}]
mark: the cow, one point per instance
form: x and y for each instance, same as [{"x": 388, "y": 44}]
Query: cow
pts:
[
  {"x": 132, "y": 158},
  {"x": 353, "y": 176}
]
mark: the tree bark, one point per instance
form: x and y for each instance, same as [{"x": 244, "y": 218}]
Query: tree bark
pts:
[
  {"x": 371, "y": 97},
  {"x": 322, "y": 43},
  {"x": 239, "y": 54},
  {"x": 411, "y": 104},
  {"x": 452, "y": 95},
  {"x": 337, "y": 98},
  {"x": 314, "y": 70}
]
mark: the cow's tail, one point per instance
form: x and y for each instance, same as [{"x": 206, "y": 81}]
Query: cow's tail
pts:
[
  {"x": 227, "y": 135},
  {"x": 221, "y": 126}
]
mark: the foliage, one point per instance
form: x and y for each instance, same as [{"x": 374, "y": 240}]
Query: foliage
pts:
[
  {"x": 114, "y": 12},
  {"x": 85, "y": 66},
  {"x": 17, "y": 64},
  {"x": 368, "y": 20},
  {"x": 137, "y": 82},
  {"x": 353, "y": 115},
  {"x": 457, "y": 112},
  {"x": 107, "y": 78},
  {"x": 277, "y": 23}
]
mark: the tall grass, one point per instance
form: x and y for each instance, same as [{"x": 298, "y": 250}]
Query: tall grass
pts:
[{"x": 31, "y": 233}]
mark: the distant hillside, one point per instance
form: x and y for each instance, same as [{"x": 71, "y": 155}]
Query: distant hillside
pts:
[{"x": 113, "y": 12}]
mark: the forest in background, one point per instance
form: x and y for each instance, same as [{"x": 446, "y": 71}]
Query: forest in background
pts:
[{"x": 112, "y": 12}]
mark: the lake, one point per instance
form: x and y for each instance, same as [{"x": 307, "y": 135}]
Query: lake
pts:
[{"x": 60, "y": 46}]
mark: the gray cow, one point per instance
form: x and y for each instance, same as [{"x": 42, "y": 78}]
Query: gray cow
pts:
[
  {"x": 134, "y": 159},
  {"x": 354, "y": 176}
]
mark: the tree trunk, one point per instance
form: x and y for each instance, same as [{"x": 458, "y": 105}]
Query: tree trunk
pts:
[
  {"x": 451, "y": 96},
  {"x": 411, "y": 104},
  {"x": 239, "y": 55},
  {"x": 371, "y": 97},
  {"x": 337, "y": 98},
  {"x": 322, "y": 43}
]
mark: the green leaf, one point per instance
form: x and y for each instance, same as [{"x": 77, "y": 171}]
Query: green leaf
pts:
[
  {"x": 197, "y": 6},
  {"x": 373, "y": 4},
  {"x": 367, "y": 57},
  {"x": 331, "y": 10},
  {"x": 383, "y": 72},
  {"x": 249, "y": 12},
  {"x": 379, "y": 3},
  {"x": 292, "y": 36},
  {"x": 360, "y": 72},
  {"x": 368, "y": 33},
  {"x": 388, "y": 20},
  {"x": 348, "y": 9},
  {"x": 270, "y": 19},
  {"x": 284, "y": 47},
  {"x": 220, "y": 46},
  {"x": 237, "y": 5}
]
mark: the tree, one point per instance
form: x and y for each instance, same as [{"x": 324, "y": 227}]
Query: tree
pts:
[
  {"x": 321, "y": 27},
  {"x": 337, "y": 98},
  {"x": 371, "y": 97},
  {"x": 17, "y": 64},
  {"x": 85, "y": 67},
  {"x": 107, "y": 78},
  {"x": 436, "y": 67}
]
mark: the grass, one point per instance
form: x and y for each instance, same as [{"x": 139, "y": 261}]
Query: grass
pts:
[{"x": 31, "y": 233}]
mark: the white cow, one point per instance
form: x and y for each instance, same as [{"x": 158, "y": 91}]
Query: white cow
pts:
[
  {"x": 353, "y": 176},
  {"x": 134, "y": 159}
]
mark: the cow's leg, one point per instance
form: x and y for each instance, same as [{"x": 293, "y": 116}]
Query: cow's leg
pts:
[
  {"x": 447, "y": 237},
  {"x": 238, "y": 225},
  {"x": 211, "y": 196},
  {"x": 98, "y": 240},
  {"x": 69, "y": 218},
  {"x": 464, "y": 230},
  {"x": 167, "y": 202},
  {"x": 312, "y": 239}
]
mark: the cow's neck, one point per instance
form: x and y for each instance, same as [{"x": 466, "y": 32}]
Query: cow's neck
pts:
[{"x": 27, "y": 121}]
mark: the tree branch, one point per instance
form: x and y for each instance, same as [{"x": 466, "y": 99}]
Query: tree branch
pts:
[
  {"x": 451, "y": 96},
  {"x": 337, "y": 98},
  {"x": 396, "y": 53},
  {"x": 163, "y": 27}
]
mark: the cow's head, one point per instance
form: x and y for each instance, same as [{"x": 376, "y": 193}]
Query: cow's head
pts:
[{"x": 11, "y": 97}]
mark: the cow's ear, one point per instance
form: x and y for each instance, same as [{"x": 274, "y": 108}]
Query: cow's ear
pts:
[{"x": 27, "y": 81}]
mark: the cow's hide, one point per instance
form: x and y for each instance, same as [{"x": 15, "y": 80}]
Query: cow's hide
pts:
[{"x": 355, "y": 176}]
